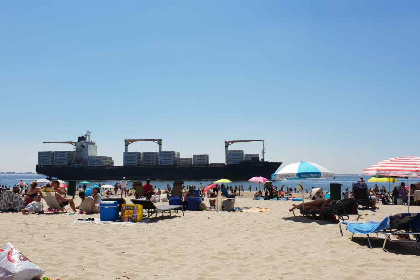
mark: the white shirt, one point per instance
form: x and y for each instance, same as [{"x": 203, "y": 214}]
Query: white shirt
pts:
[{"x": 123, "y": 184}]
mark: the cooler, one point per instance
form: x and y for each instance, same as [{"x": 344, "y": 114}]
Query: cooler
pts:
[
  {"x": 109, "y": 211},
  {"x": 175, "y": 201},
  {"x": 194, "y": 203},
  {"x": 119, "y": 200}
]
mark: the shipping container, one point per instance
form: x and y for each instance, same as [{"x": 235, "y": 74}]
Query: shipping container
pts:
[
  {"x": 251, "y": 157},
  {"x": 185, "y": 161},
  {"x": 150, "y": 158},
  {"x": 46, "y": 158},
  {"x": 100, "y": 161},
  {"x": 168, "y": 158},
  {"x": 202, "y": 159},
  {"x": 132, "y": 159}
]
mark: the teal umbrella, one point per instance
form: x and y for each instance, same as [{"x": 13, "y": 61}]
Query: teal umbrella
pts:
[{"x": 84, "y": 182}]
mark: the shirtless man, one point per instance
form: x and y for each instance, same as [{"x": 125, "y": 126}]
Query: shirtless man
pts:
[{"x": 63, "y": 201}]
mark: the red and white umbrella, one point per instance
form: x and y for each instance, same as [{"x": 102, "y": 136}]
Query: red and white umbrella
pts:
[
  {"x": 259, "y": 180},
  {"x": 406, "y": 167},
  {"x": 63, "y": 184},
  {"x": 396, "y": 167}
]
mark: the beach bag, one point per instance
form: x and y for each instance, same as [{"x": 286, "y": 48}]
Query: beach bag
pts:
[
  {"x": 164, "y": 197},
  {"x": 15, "y": 266}
]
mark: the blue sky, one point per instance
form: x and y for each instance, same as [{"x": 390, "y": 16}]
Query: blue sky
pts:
[{"x": 332, "y": 82}]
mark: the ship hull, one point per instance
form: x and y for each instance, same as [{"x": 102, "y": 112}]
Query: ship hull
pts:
[{"x": 237, "y": 172}]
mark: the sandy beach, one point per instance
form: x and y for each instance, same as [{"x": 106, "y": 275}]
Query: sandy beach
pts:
[{"x": 208, "y": 245}]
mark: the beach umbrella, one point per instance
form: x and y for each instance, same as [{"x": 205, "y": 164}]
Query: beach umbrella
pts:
[
  {"x": 395, "y": 167},
  {"x": 43, "y": 182},
  {"x": 382, "y": 180},
  {"x": 404, "y": 167},
  {"x": 302, "y": 170},
  {"x": 221, "y": 181},
  {"x": 209, "y": 187},
  {"x": 63, "y": 184},
  {"x": 259, "y": 180}
]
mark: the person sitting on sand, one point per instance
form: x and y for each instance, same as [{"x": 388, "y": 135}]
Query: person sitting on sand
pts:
[
  {"x": 320, "y": 203},
  {"x": 33, "y": 192},
  {"x": 35, "y": 206},
  {"x": 63, "y": 201},
  {"x": 87, "y": 206},
  {"x": 96, "y": 197}
]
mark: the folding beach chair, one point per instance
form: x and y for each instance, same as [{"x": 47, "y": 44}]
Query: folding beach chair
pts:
[
  {"x": 361, "y": 194},
  {"x": 138, "y": 190},
  {"x": 154, "y": 209},
  {"x": 176, "y": 193},
  {"x": 404, "y": 224},
  {"x": 49, "y": 196},
  {"x": 340, "y": 210}
]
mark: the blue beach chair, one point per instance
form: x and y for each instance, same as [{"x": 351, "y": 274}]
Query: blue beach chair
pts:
[
  {"x": 400, "y": 224},
  {"x": 226, "y": 194}
]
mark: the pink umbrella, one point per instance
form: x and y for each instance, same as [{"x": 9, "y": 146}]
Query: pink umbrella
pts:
[
  {"x": 209, "y": 187},
  {"x": 259, "y": 180}
]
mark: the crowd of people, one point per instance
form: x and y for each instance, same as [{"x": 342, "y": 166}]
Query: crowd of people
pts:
[{"x": 28, "y": 199}]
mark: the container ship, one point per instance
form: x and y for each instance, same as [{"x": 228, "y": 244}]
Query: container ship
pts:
[{"x": 83, "y": 163}]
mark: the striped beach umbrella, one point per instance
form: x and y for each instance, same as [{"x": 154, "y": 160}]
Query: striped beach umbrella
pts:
[
  {"x": 396, "y": 167},
  {"x": 302, "y": 170},
  {"x": 406, "y": 167}
]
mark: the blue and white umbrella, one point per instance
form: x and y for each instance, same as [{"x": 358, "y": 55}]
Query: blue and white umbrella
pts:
[{"x": 302, "y": 170}]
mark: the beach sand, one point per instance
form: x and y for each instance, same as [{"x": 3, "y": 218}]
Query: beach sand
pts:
[{"x": 208, "y": 245}]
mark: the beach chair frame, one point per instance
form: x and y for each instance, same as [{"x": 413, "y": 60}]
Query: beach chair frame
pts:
[
  {"x": 51, "y": 200},
  {"x": 153, "y": 209},
  {"x": 399, "y": 224}
]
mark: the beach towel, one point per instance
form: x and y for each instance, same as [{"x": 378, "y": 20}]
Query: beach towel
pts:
[{"x": 368, "y": 227}]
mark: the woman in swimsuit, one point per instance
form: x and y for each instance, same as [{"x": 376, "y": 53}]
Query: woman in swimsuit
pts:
[{"x": 32, "y": 193}]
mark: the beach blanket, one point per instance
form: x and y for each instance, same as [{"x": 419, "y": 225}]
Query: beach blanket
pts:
[
  {"x": 368, "y": 227},
  {"x": 99, "y": 222}
]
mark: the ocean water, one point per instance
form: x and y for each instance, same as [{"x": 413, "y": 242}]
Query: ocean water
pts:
[{"x": 345, "y": 179}]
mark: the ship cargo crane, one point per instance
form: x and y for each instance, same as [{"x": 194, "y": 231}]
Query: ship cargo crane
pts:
[
  {"x": 228, "y": 143},
  {"x": 61, "y": 142},
  {"x": 130, "y": 141}
]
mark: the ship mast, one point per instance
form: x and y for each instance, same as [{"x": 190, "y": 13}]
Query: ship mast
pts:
[
  {"x": 130, "y": 141},
  {"x": 230, "y": 142}
]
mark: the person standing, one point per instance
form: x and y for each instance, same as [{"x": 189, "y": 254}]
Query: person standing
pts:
[{"x": 123, "y": 186}]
